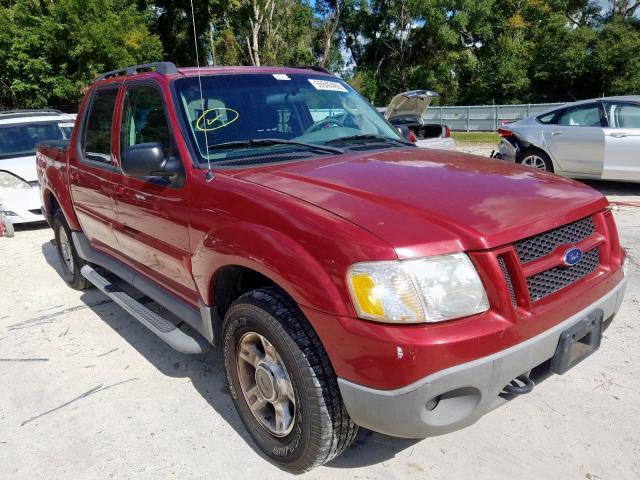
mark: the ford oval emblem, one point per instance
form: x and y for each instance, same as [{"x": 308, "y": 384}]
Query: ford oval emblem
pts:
[{"x": 572, "y": 256}]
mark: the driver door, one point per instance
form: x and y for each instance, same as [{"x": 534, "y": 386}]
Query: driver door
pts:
[{"x": 152, "y": 213}]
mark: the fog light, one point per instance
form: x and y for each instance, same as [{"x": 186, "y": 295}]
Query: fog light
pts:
[{"x": 433, "y": 403}]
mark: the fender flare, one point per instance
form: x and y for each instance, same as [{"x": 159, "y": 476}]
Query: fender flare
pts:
[{"x": 271, "y": 253}]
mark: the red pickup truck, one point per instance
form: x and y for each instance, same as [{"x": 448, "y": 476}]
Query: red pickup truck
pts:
[{"x": 350, "y": 278}]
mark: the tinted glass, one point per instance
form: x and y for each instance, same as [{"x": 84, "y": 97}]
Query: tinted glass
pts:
[
  {"x": 97, "y": 140},
  {"x": 296, "y": 107},
  {"x": 20, "y": 139},
  {"x": 582, "y": 116},
  {"x": 623, "y": 115},
  {"x": 143, "y": 118}
]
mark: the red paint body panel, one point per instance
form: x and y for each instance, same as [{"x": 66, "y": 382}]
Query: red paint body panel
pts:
[{"x": 302, "y": 224}]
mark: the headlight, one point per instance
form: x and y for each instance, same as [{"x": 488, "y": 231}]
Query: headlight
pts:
[
  {"x": 9, "y": 180},
  {"x": 429, "y": 289}
]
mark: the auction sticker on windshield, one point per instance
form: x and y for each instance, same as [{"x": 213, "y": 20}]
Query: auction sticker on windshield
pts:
[{"x": 327, "y": 85}]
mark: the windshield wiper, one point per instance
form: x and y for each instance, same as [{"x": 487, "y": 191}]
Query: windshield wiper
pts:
[
  {"x": 371, "y": 138},
  {"x": 263, "y": 142}
]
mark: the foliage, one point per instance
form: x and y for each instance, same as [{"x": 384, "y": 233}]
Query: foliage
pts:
[
  {"x": 52, "y": 50},
  {"x": 470, "y": 51}
]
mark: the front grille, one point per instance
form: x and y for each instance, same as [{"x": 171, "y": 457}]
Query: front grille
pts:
[
  {"x": 538, "y": 246},
  {"x": 507, "y": 279},
  {"x": 552, "y": 280}
]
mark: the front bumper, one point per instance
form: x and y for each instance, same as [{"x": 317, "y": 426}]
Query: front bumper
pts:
[
  {"x": 22, "y": 205},
  {"x": 466, "y": 392}
]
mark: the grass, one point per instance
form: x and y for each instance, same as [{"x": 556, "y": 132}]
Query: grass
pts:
[{"x": 476, "y": 137}]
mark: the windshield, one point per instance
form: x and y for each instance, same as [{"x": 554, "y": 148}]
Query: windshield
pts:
[
  {"x": 20, "y": 139},
  {"x": 300, "y": 108}
]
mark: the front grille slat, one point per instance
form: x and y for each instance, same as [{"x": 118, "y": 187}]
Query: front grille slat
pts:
[
  {"x": 554, "y": 279},
  {"x": 507, "y": 279},
  {"x": 541, "y": 245}
]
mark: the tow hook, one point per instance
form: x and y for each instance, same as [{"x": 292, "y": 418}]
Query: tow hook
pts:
[{"x": 519, "y": 385}]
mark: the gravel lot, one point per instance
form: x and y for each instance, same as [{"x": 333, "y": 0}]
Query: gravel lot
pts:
[{"x": 87, "y": 392}]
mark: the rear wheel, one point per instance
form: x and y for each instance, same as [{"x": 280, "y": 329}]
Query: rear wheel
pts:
[
  {"x": 70, "y": 262},
  {"x": 536, "y": 159},
  {"x": 282, "y": 382}
]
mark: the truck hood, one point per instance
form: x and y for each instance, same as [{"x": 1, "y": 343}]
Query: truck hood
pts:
[
  {"x": 23, "y": 167},
  {"x": 425, "y": 202}
]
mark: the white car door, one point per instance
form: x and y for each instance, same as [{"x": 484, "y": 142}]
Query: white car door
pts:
[
  {"x": 576, "y": 139},
  {"x": 622, "y": 141}
]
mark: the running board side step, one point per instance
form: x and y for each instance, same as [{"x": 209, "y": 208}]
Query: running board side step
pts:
[{"x": 178, "y": 339}]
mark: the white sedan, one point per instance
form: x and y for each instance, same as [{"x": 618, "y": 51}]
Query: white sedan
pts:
[{"x": 20, "y": 131}]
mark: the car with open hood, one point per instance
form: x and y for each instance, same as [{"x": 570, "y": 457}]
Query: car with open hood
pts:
[{"x": 406, "y": 111}]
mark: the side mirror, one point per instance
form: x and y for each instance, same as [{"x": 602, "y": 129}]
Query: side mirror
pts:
[{"x": 148, "y": 160}]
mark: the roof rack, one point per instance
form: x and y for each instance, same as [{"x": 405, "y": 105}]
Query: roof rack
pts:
[
  {"x": 160, "y": 67},
  {"x": 7, "y": 114},
  {"x": 315, "y": 68}
]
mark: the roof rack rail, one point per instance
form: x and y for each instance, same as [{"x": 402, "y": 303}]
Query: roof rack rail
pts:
[
  {"x": 316, "y": 68},
  {"x": 27, "y": 112},
  {"x": 160, "y": 67},
  {"x": 30, "y": 110}
]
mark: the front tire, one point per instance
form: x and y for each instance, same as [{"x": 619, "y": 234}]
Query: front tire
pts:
[
  {"x": 282, "y": 382},
  {"x": 534, "y": 158},
  {"x": 70, "y": 262}
]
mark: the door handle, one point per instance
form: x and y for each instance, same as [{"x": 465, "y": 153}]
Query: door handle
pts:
[
  {"x": 556, "y": 132},
  {"x": 119, "y": 191},
  {"x": 619, "y": 135},
  {"x": 75, "y": 177}
]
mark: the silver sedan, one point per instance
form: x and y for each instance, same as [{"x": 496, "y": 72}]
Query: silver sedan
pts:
[{"x": 598, "y": 138}]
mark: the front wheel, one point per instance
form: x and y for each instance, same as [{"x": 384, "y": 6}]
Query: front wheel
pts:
[
  {"x": 536, "y": 159},
  {"x": 282, "y": 383}
]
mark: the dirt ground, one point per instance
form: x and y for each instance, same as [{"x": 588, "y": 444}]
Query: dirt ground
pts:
[{"x": 86, "y": 392}]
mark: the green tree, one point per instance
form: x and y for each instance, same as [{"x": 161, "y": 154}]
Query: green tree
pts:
[{"x": 54, "y": 50}]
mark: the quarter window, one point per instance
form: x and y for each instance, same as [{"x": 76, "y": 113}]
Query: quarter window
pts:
[
  {"x": 549, "y": 118},
  {"x": 97, "y": 140}
]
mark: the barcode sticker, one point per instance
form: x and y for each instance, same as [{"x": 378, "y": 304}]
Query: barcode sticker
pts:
[
  {"x": 281, "y": 76},
  {"x": 327, "y": 85}
]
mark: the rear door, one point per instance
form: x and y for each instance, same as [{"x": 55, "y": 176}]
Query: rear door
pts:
[
  {"x": 622, "y": 141},
  {"x": 575, "y": 139},
  {"x": 152, "y": 212},
  {"x": 92, "y": 169}
]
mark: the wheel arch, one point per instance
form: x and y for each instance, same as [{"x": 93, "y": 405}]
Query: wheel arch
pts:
[{"x": 239, "y": 256}]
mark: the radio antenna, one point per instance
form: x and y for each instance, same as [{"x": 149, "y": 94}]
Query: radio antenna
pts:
[{"x": 209, "y": 176}]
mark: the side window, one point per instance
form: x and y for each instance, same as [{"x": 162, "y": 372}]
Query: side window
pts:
[
  {"x": 143, "y": 119},
  {"x": 581, "y": 116},
  {"x": 97, "y": 137},
  {"x": 623, "y": 115}
]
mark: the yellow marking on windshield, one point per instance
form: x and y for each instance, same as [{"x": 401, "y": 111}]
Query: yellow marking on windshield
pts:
[{"x": 205, "y": 122}]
